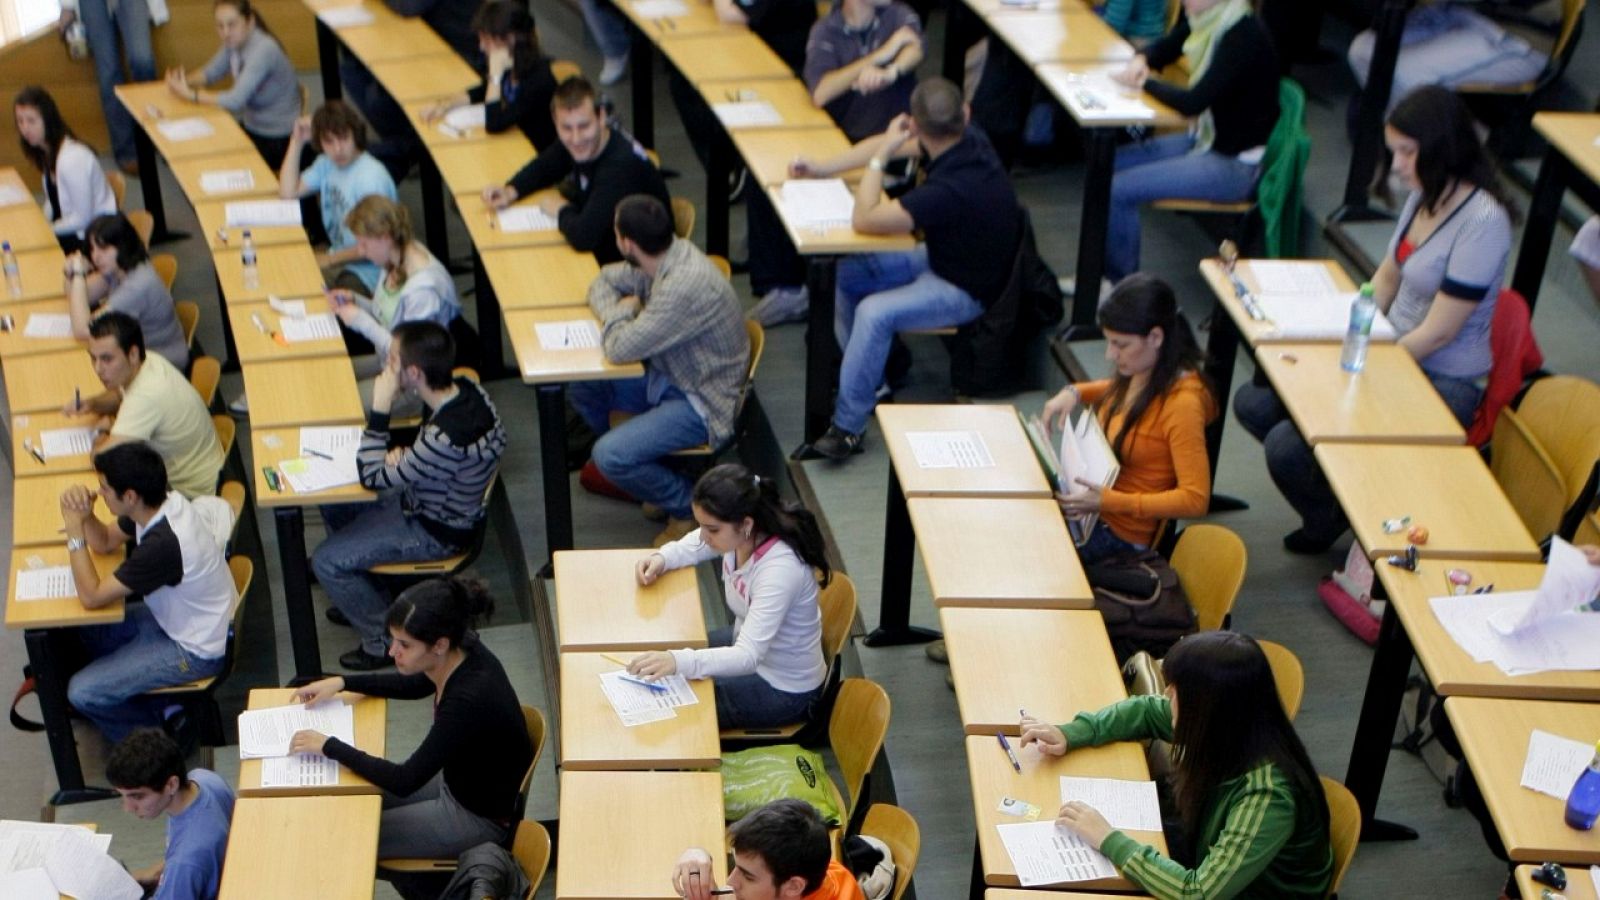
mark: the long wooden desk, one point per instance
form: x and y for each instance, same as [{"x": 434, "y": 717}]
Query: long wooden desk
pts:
[
  {"x": 598, "y": 808},
  {"x": 40, "y": 272},
  {"x": 1060, "y": 37},
  {"x": 1580, "y": 884},
  {"x": 22, "y": 224},
  {"x": 998, "y": 553},
  {"x": 371, "y": 720},
  {"x": 600, "y": 605},
  {"x": 17, "y": 342},
  {"x": 1260, "y": 331},
  {"x": 213, "y": 216},
  {"x": 425, "y": 77},
  {"x": 315, "y": 391},
  {"x": 253, "y": 345},
  {"x": 148, "y": 103},
  {"x": 594, "y": 739},
  {"x": 564, "y": 276},
  {"x": 300, "y": 846},
  {"x": 44, "y": 382},
  {"x": 468, "y": 167},
  {"x": 1571, "y": 161},
  {"x": 1052, "y": 663},
  {"x": 1389, "y": 401},
  {"x": 27, "y": 427},
  {"x": 263, "y": 180},
  {"x": 36, "y": 507},
  {"x": 283, "y": 270}
]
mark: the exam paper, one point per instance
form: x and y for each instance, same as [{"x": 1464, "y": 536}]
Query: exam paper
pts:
[
  {"x": 1566, "y": 641},
  {"x": 525, "y": 218},
  {"x": 48, "y": 325},
  {"x": 1048, "y": 853},
  {"x": 80, "y": 868},
  {"x": 1554, "y": 763},
  {"x": 28, "y": 884},
  {"x": 320, "y": 327},
  {"x": 25, "y": 845},
  {"x": 52, "y": 583},
  {"x": 745, "y": 113},
  {"x": 337, "y": 441},
  {"x": 1317, "y": 316},
  {"x": 1128, "y": 805},
  {"x": 636, "y": 704},
  {"x": 949, "y": 450},
  {"x": 299, "y": 770},
  {"x": 1094, "y": 96},
  {"x": 294, "y": 309},
  {"x": 576, "y": 334},
  {"x": 1594, "y": 871},
  {"x": 261, "y": 213},
  {"x": 227, "y": 181},
  {"x": 1569, "y": 582},
  {"x": 267, "y": 732},
  {"x": 660, "y": 9},
  {"x": 11, "y": 195},
  {"x": 818, "y": 203},
  {"x": 186, "y": 129},
  {"x": 337, "y": 17},
  {"x": 59, "y": 442},
  {"x": 309, "y": 475},
  {"x": 1289, "y": 277},
  {"x": 463, "y": 119}
]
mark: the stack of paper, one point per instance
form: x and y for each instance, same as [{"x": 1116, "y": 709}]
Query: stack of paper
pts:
[
  {"x": 574, "y": 334},
  {"x": 1127, "y": 805},
  {"x": 266, "y": 733},
  {"x": 635, "y": 703},
  {"x": 1049, "y": 853},
  {"x": 44, "y": 862},
  {"x": 817, "y": 203},
  {"x": 48, "y": 325},
  {"x": 262, "y": 213},
  {"x": 1277, "y": 276},
  {"x": 1317, "y": 316},
  {"x": 227, "y": 181},
  {"x": 320, "y": 327},
  {"x": 747, "y": 113},
  {"x": 337, "y": 17},
  {"x": 59, "y": 442},
  {"x": 327, "y": 458},
  {"x": 457, "y": 122},
  {"x": 525, "y": 218},
  {"x": 1532, "y": 631},
  {"x": 1083, "y": 456},
  {"x": 949, "y": 450},
  {"x": 185, "y": 129},
  {"x": 660, "y": 9},
  {"x": 1094, "y": 96}
]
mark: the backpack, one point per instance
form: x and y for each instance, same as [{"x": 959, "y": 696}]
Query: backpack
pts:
[
  {"x": 990, "y": 354},
  {"x": 1142, "y": 603}
]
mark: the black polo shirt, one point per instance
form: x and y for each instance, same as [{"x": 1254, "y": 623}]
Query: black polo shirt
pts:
[{"x": 969, "y": 217}]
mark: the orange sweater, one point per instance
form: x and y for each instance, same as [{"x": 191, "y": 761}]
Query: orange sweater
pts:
[{"x": 1166, "y": 473}]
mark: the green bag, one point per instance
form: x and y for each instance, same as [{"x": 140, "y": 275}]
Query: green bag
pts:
[{"x": 755, "y": 777}]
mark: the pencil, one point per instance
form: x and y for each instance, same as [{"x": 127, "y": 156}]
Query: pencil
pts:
[{"x": 621, "y": 662}]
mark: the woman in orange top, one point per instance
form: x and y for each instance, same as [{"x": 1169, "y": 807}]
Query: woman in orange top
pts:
[{"x": 1154, "y": 412}]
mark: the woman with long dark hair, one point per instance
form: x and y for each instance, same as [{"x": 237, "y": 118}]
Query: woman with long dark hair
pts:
[
  {"x": 519, "y": 85},
  {"x": 1437, "y": 285},
  {"x": 265, "y": 95},
  {"x": 118, "y": 276},
  {"x": 75, "y": 187},
  {"x": 1251, "y": 804},
  {"x": 1154, "y": 411},
  {"x": 768, "y": 667}
]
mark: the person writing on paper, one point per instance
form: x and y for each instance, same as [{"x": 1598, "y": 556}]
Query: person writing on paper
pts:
[
  {"x": 781, "y": 851},
  {"x": 1437, "y": 284},
  {"x": 119, "y": 277},
  {"x": 430, "y": 502},
  {"x": 146, "y": 768},
  {"x": 148, "y": 399},
  {"x": 592, "y": 167},
  {"x": 520, "y": 85},
  {"x": 75, "y": 187},
  {"x": 768, "y": 668},
  {"x": 1154, "y": 412},
  {"x": 1251, "y": 804},
  {"x": 180, "y": 632},
  {"x": 460, "y": 787},
  {"x": 265, "y": 95}
]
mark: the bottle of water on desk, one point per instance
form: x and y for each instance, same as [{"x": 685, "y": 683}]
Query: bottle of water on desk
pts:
[
  {"x": 13, "y": 274},
  {"x": 1362, "y": 311},
  {"x": 1583, "y": 804},
  {"x": 252, "y": 275}
]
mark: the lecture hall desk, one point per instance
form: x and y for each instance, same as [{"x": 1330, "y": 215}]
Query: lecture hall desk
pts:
[
  {"x": 40, "y": 272},
  {"x": 1390, "y": 401},
  {"x": 467, "y": 167},
  {"x": 594, "y": 739},
  {"x": 541, "y": 277},
  {"x": 601, "y": 607},
  {"x": 252, "y": 345},
  {"x": 36, "y": 513},
  {"x": 213, "y": 216},
  {"x": 283, "y": 270},
  {"x": 313, "y": 391},
  {"x": 655, "y": 816},
  {"x": 698, "y": 18},
  {"x": 16, "y": 342},
  {"x": 1571, "y": 161},
  {"x": 264, "y": 180},
  {"x": 1256, "y": 332},
  {"x": 1004, "y": 552},
  {"x": 150, "y": 102},
  {"x": 1580, "y": 885},
  {"x": 440, "y": 74},
  {"x": 28, "y": 427},
  {"x": 1060, "y": 36},
  {"x": 23, "y": 223},
  {"x": 281, "y": 847},
  {"x": 371, "y": 718}
]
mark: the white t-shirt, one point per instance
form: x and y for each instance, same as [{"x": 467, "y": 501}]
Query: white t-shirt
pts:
[{"x": 177, "y": 564}]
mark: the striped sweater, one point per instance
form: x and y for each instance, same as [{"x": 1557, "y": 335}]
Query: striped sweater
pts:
[{"x": 446, "y": 472}]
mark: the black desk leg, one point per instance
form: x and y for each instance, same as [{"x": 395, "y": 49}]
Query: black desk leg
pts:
[
  {"x": 1369, "y": 753},
  {"x": 1102, "y": 153},
  {"x": 644, "y": 110},
  {"x": 150, "y": 185},
  {"x": 291, "y": 526},
  {"x": 1373, "y": 101},
  {"x": 328, "y": 61},
  {"x": 491, "y": 354},
  {"x": 976, "y": 888},
  {"x": 1544, "y": 209},
  {"x": 960, "y": 26},
  {"x": 822, "y": 349},
  {"x": 433, "y": 210},
  {"x": 894, "y": 605},
  {"x": 552, "y": 400},
  {"x": 719, "y": 161},
  {"x": 50, "y": 681},
  {"x": 1221, "y": 348}
]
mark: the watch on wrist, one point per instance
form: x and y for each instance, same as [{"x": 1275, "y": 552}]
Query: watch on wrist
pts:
[
  {"x": 875, "y": 165},
  {"x": 76, "y": 543}
]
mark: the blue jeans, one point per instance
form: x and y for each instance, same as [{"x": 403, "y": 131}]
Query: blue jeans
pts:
[
  {"x": 360, "y": 536},
  {"x": 130, "y": 658},
  {"x": 1160, "y": 168},
  {"x": 747, "y": 701},
  {"x": 132, "y": 23},
  {"x": 609, "y": 28},
  {"x": 876, "y": 296},
  {"x": 632, "y": 455},
  {"x": 1294, "y": 468},
  {"x": 1103, "y": 544}
]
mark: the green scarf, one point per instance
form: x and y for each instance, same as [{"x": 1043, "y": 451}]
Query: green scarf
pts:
[{"x": 1204, "y": 30}]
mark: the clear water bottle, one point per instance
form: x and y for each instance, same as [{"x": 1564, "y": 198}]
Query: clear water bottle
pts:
[
  {"x": 1362, "y": 311},
  {"x": 13, "y": 274},
  {"x": 1583, "y": 804},
  {"x": 252, "y": 275}
]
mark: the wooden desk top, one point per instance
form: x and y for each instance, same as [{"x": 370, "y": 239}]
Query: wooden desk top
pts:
[
  {"x": 599, "y": 808},
  {"x": 1580, "y": 884},
  {"x": 381, "y": 13},
  {"x": 700, "y": 18},
  {"x": 594, "y": 739},
  {"x": 992, "y": 778},
  {"x": 723, "y": 56},
  {"x": 998, "y": 552},
  {"x": 421, "y": 77},
  {"x": 487, "y": 235},
  {"x": 264, "y": 180},
  {"x": 600, "y": 606},
  {"x": 987, "y": 8},
  {"x": 1015, "y": 472},
  {"x": 24, "y": 225},
  {"x": 60, "y": 612},
  {"x": 1389, "y": 401},
  {"x": 43, "y": 382},
  {"x": 316, "y": 391},
  {"x": 294, "y": 846},
  {"x": 213, "y": 216},
  {"x": 288, "y": 447},
  {"x": 41, "y": 276},
  {"x": 790, "y": 98},
  {"x": 1033, "y": 894},
  {"x": 284, "y": 270},
  {"x": 769, "y": 151},
  {"x": 36, "y": 507},
  {"x": 538, "y": 277},
  {"x": 253, "y": 346},
  {"x": 468, "y": 167},
  {"x": 1494, "y": 736},
  {"x": 371, "y": 718},
  {"x": 149, "y": 101},
  {"x": 431, "y": 135},
  {"x": 1053, "y": 663},
  {"x": 541, "y": 366},
  {"x": 1042, "y": 37},
  {"x": 839, "y": 240},
  {"x": 1251, "y": 330},
  {"x": 1574, "y": 134},
  {"x": 29, "y": 426},
  {"x": 16, "y": 342},
  {"x": 1061, "y": 80},
  {"x": 1446, "y": 489},
  {"x": 399, "y": 39}
]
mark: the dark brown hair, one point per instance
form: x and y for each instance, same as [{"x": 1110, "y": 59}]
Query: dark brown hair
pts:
[
  {"x": 336, "y": 119},
  {"x": 1139, "y": 304},
  {"x": 1448, "y": 149},
  {"x": 56, "y": 131}
]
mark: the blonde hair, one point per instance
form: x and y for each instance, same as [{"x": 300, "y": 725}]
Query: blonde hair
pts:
[{"x": 378, "y": 216}]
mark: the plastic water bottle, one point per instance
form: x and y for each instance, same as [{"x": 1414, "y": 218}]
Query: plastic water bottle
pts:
[
  {"x": 252, "y": 275},
  {"x": 1583, "y": 804},
  {"x": 1362, "y": 311},
  {"x": 13, "y": 274}
]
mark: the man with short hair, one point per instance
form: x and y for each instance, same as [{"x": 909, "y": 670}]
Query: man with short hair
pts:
[
  {"x": 780, "y": 852},
  {"x": 671, "y": 309},
  {"x": 180, "y": 632},
  {"x": 593, "y": 167},
  {"x": 151, "y": 401},
  {"x": 341, "y": 177},
  {"x": 971, "y": 226},
  {"x": 430, "y": 501},
  {"x": 146, "y": 768}
]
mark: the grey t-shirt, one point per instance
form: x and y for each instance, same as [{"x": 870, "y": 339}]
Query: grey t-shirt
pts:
[{"x": 142, "y": 294}]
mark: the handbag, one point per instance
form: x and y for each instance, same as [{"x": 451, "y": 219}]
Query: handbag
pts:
[{"x": 1143, "y": 604}]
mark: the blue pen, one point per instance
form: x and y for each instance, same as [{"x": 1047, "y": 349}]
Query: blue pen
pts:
[
  {"x": 1010, "y": 754},
  {"x": 659, "y": 688}
]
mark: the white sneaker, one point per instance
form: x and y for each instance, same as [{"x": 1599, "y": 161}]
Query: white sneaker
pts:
[
  {"x": 613, "y": 70},
  {"x": 240, "y": 407},
  {"x": 782, "y": 305},
  {"x": 1069, "y": 286}
]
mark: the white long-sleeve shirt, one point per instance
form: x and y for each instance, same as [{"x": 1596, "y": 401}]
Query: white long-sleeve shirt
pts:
[
  {"x": 83, "y": 189},
  {"x": 777, "y": 623}
]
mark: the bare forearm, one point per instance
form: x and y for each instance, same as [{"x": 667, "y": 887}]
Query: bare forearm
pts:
[{"x": 289, "y": 171}]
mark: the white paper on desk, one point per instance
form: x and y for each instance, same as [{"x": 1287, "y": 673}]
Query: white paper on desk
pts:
[
  {"x": 294, "y": 309},
  {"x": 261, "y": 213},
  {"x": 311, "y": 474},
  {"x": 299, "y": 770},
  {"x": 1554, "y": 763},
  {"x": 819, "y": 203},
  {"x": 266, "y": 732},
  {"x": 634, "y": 704},
  {"x": 188, "y": 128},
  {"x": 320, "y": 327},
  {"x": 525, "y": 218},
  {"x": 227, "y": 181},
  {"x": 59, "y": 442},
  {"x": 48, "y": 325},
  {"x": 1594, "y": 871},
  {"x": 1317, "y": 316},
  {"x": 949, "y": 450},
  {"x": 26, "y": 845},
  {"x": 575, "y": 334},
  {"x": 11, "y": 195},
  {"x": 660, "y": 9},
  {"x": 1128, "y": 805},
  {"x": 337, "y": 441},
  {"x": 50, "y": 583},
  {"x": 81, "y": 869},
  {"x": 337, "y": 17},
  {"x": 1092, "y": 95},
  {"x": 1569, "y": 582},
  {"x": 1276, "y": 276},
  {"x": 28, "y": 884},
  {"x": 1047, "y": 853},
  {"x": 1566, "y": 641},
  {"x": 745, "y": 113},
  {"x": 462, "y": 119}
]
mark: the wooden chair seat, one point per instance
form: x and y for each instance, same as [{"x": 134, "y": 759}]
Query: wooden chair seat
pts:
[
  {"x": 434, "y": 566},
  {"x": 1179, "y": 204},
  {"x": 188, "y": 319},
  {"x": 939, "y": 331}
]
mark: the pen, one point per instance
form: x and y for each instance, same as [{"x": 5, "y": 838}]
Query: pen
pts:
[
  {"x": 77, "y": 399},
  {"x": 34, "y": 452},
  {"x": 1010, "y": 754},
  {"x": 658, "y": 688},
  {"x": 318, "y": 454}
]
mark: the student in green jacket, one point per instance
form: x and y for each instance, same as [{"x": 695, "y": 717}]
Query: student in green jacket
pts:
[{"x": 1245, "y": 789}]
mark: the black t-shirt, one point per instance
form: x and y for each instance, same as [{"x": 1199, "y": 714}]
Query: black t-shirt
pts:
[
  {"x": 593, "y": 189},
  {"x": 969, "y": 217},
  {"x": 524, "y": 104},
  {"x": 784, "y": 25},
  {"x": 155, "y": 562}
]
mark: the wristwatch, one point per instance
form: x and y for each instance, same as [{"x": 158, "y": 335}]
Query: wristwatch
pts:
[
  {"x": 875, "y": 164},
  {"x": 76, "y": 543}
]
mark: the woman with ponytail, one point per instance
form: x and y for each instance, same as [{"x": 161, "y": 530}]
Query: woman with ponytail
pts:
[
  {"x": 459, "y": 789},
  {"x": 768, "y": 667}
]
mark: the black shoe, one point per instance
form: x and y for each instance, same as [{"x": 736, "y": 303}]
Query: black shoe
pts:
[
  {"x": 736, "y": 184},
  {"x": 1298, "y": 541},
  {"x": 336, "y": 615},
  {"x": 359, "y": 660},
  {"x": 836, "y": 443}
]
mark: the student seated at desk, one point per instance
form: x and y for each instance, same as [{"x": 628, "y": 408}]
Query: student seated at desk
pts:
[
  {"x": 147, "y": 399},
  {"x": 1251, "y": 805},
  {"x": 1154, "y": 412},
  {"x": 459, "y": 789},
  {"x": 122, "y": 279},
  {"x": 75, "y": 187},
  {"x": 780, "y": 852},
  {"x": 1437, "y": 284},
  {"x": 593, "y": 166},
  {"x": 180, "y": 631},
  {"x": 265, "y": 95},
  {"x": 520, "y": 85},
  {"x": 768, "y": 667},
  {"x": 146, "y": 768}
]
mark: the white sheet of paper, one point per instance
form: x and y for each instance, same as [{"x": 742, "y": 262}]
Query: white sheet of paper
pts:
[
  {"x": 294, "y": 309},
  {"x": 576, "y": 334},
  {"x": 81, "y": 869},
  {"x": 262, "y": 213},
  {"x": 337, "y": 17},
  {"x": 818, "y": 203},
  {"x": 321, "y": 327},
  {"x": 188, "y": 128},
  {"x": 1317, "y": 316},
  {"x": 634, "y": 705},
  {"x": 462, "y": 119},
  {"x": 309, "y": 475},
  {"x": 525, "y": 218},
  {"x": 1568, "y": 583},
  {"x": 1554, "y": 763},
  {"x": 266, "y": 732},
  {"x": 1047, "y": 853},
  {"x": 1276, "y": 276},
  {"x": 1125, "y": 804},
  {"x": 299, "y": 770},
  {"x": 1566, "y": 641},
  {"x": 227, "y": 181},
  {"x": 660, "y": 9},
  {"x": 1594, "y": 871},
  {"x": 50, "y": 583},
  {"x": 1092, "y": 95},
  {"x": 949, "y": 450},
  {"x": 331, "y": 440},
  {"x": 59, "y": 442},
  {"x": 745, "y": 113},
  {"x": 11, "y": 195},
  {"x": 28, "y": 884},
  {"x": 48, "y": 325},
  {"x": 25, "y": 845}
]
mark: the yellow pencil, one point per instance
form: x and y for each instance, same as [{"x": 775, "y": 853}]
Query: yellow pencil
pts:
[{"x": 621, "y": 662}]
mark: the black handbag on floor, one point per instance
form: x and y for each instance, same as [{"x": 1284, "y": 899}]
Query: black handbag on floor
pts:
[{"x": 1144, "y": 606}]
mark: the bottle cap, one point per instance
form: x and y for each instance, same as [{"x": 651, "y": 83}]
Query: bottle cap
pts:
[{"x": 1366, "y": 289}]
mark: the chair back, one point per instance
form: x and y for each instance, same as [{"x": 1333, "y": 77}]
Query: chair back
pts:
[
  {"x": 1526, "y": 473},
  {"x": 562, "y": 69},
  {"x": 119, "y": 186},
  {"x": 1588, "y": 531},
  {"x": 838, "y": 603},
  {"x": 533, "y": 720},
  {"x": 144, "y": 224},
  {"x": 1287, "y": 674},
  {"x": 530, "y": 847},
  {"x": 1562, "y": 413},
  {"x": 204, "y": 373},
  {"x": 683, "y": 216},
  {"x": 856, "y": 730},
  {"x": 232, "y": 492},
  {"x": 243, "y": 571},
  {"x": 722, "y": 265},
  {"x": 1344, "y": 828},
  {"x": 188, "y": 319},
  {"x": 899, "y": 832},
  {"x": 166, "y": 266},
  {"x": 1210, "y": 561}
]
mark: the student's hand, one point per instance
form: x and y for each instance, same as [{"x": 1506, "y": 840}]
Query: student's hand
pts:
[
  {"x": 76, "y": 264},
  {"x": 433, "y": 112},
  {"x": 630, "y": 304},
  {"x": 384, "y": 388},
  {"x": 499, "y": 61},
  {"x": 1048, "y": 738},
  {"x": 318, "y": 691},
  {"x": 77, "y": 504},
  {"x": 1086, "y": 821},
  {"x": 552, "y": 204},
  {"x": 1080, "y": 503},
  {"x": 307, "y": 741},
  {"x": 653, "y": 664},
  {"x": 347, "y": 312},
  {"x": 898, "y": 132},
  {"x": 800, "y": 167},
  {"x": 302, "y": 131},
  {"x": 499, "y": 196},
  {"x": 647, "y": 570},
  {"x": 67, "y": 18},
  {"x": 1591, "y": 552},
  {"x": 178, "y": 83},
  {"x": 873, "y": 79},
  {"x": 338, "y": 297},
  {"x": 1058, "y": 409},
  {"x": 692, "y": 877},
  {"x": 1134, "y": 73},
  {"x": 393, "y": 457}
]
